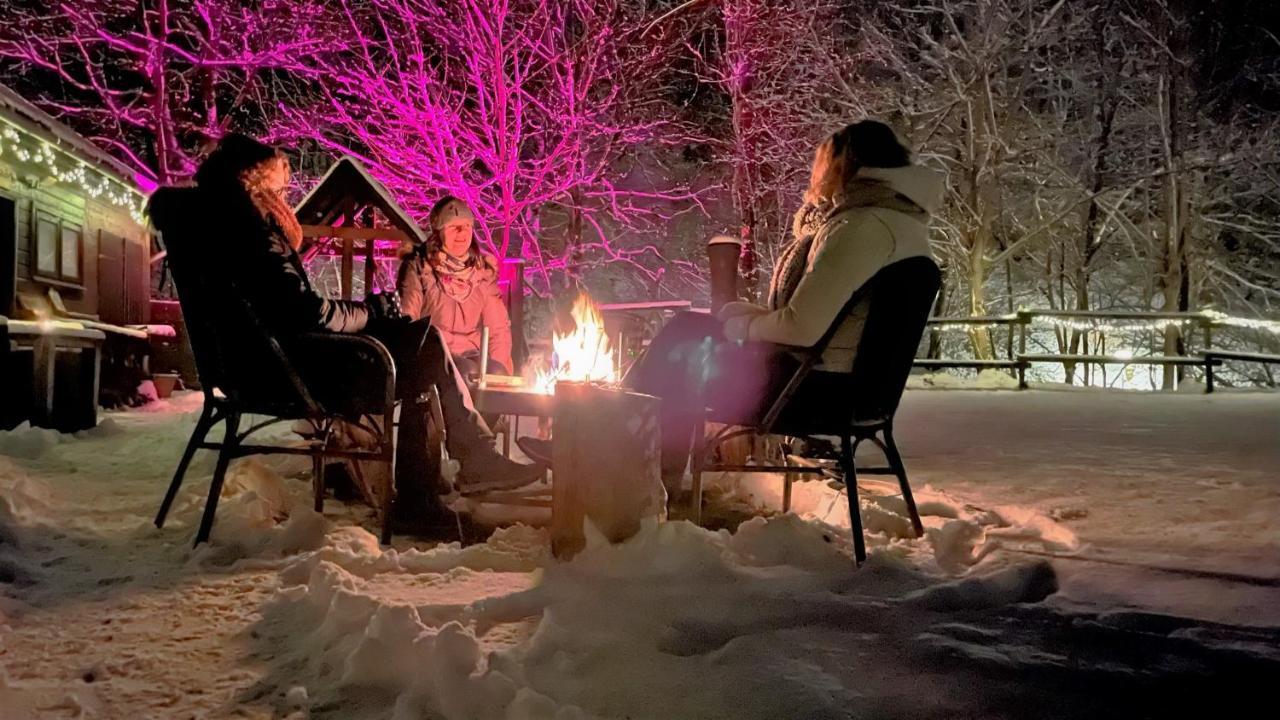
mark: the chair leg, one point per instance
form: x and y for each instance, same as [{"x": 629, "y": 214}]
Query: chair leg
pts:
[
  {"x": 205, "y": 422},
  {"x": 317, "y": 468},
  {"x": 895, "y": 462},
  {"x": 317, "y": 482},
  {"x": 437, "y": 439},
  {"x": 388, "y": 442},
  {"x": 850, "y": 470},
  {"x": 229, "y": 446},
  {"x": 697, "y": 460}
]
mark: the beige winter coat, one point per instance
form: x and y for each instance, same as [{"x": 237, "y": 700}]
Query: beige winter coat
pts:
[
  {"x": 852, "y": 245},
  {"x": 458, "y": 311}
]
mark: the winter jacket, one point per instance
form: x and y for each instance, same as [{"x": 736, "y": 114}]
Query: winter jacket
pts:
[
  {"x": 257, "y": 259},
  {"x": 458, "y": 311},
  {"x": 883, "y": 218}
]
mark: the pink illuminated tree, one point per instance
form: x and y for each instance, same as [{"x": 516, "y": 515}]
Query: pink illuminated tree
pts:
[
  {"x": 155, "y": 80},
  {"x": 530, "y": 110}
]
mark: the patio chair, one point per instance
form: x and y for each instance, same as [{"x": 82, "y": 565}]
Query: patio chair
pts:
[
  {"x": 243, "y": 371},
  {"x": 854, "y": 406}
]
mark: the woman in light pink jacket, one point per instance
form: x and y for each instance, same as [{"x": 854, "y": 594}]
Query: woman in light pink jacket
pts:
[{"x": 455, "y": 284}]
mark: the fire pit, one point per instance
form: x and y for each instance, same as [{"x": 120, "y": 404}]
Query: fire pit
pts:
[{"x": 605, "y": 462}]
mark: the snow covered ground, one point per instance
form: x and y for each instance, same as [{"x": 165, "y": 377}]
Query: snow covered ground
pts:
[{"x": 1087, "y": 555}]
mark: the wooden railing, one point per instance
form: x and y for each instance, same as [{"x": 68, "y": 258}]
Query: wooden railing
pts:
[{"x": 1098, "y": 324}]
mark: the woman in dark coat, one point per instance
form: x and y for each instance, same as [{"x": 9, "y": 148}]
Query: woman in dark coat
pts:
[{"x": 239, "y": 205}]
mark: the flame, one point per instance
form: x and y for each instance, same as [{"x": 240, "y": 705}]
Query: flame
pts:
[{"x": 583, "y": 354}]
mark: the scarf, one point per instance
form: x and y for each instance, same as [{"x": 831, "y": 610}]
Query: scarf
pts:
[
  {"x": 793, "y": 260},
  {"x": 455, "y": 275},
  {"x": 275, "y": 210}
]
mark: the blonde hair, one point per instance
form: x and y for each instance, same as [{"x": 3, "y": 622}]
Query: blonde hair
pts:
[
  {"x": 868, "y": 143},
  {"x": 827, "y": 175},
  {"x": 268, "y": 202}
]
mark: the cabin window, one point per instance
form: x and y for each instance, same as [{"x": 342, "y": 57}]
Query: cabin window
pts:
[{"x": 58, "y": 250}]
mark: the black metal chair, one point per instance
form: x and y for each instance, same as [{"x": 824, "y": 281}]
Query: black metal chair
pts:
[
  {"x": 897, "y": 303},
  {"x": 243, "y": 370}
]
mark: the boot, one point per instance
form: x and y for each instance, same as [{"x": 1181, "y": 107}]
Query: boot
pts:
[
  {"x": 486, "y": 470},
  {"x": 537, "y": 449}
]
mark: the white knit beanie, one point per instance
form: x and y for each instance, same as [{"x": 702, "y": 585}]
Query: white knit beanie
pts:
[{"x": 453, "y": 211}]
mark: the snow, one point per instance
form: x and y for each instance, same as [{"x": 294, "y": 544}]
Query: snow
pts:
[
  {"x": 1063, "y": 529},
  {"x": 987, "y": 379}
]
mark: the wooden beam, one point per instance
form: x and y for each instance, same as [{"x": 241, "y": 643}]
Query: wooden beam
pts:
[{"x": 354, "y": 233}]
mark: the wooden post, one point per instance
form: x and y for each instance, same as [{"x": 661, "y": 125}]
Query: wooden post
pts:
[
  {"x": 348, "y": 270},
  {"x": 605, "y": 464},
  {"x": 370, "y": 264},
  {"x": 511, "y": 278},
  {"x": 1024, "y": 320}
]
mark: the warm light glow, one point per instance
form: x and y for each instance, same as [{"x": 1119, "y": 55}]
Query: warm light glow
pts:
[{"x": 582, "y": 355}]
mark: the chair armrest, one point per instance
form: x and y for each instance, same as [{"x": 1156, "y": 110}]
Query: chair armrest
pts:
[{"x": 362, "y": 346}]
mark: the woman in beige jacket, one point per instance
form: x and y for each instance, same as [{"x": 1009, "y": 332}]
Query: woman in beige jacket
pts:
[
  {"x": 452, "y": 282},
  {"x": 868, "y": 207}
]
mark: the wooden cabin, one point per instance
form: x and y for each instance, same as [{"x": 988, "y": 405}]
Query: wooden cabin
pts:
[{"x": 74, "y": 266}]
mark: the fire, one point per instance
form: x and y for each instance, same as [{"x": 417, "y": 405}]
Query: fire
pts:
[{"x": 584, "y": 354}]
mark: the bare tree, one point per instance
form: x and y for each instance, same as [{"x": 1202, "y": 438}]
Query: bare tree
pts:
[
  {"x": 526, "y": 109},
  {"x": 155, "y": 80},
  {"x": 787, "y": 74}
]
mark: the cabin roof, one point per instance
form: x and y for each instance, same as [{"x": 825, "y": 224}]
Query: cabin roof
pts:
[{"x": 26, "y": 115}]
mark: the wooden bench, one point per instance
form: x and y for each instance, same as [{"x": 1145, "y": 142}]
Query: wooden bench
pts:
[{"x": 1215, "y": 358}]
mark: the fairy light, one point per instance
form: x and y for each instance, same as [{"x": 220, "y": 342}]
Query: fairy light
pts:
[
  {"x": 969, "y": 326},
  {"x": 1112, "y": 327},
  {"x": 97, "y": 184},
  {"x": 1221, "y": 318}
]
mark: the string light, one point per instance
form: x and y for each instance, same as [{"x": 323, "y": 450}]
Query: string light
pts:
[
  {"x": 94, "y": 183},
  {"x": 1112, "y": 327},
  {"x": 968, "y": 326},
  {"x": 1220, "y": 318}
]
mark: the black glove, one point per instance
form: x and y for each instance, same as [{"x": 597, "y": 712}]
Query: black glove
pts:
[{"x": 383, "y": 307}]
